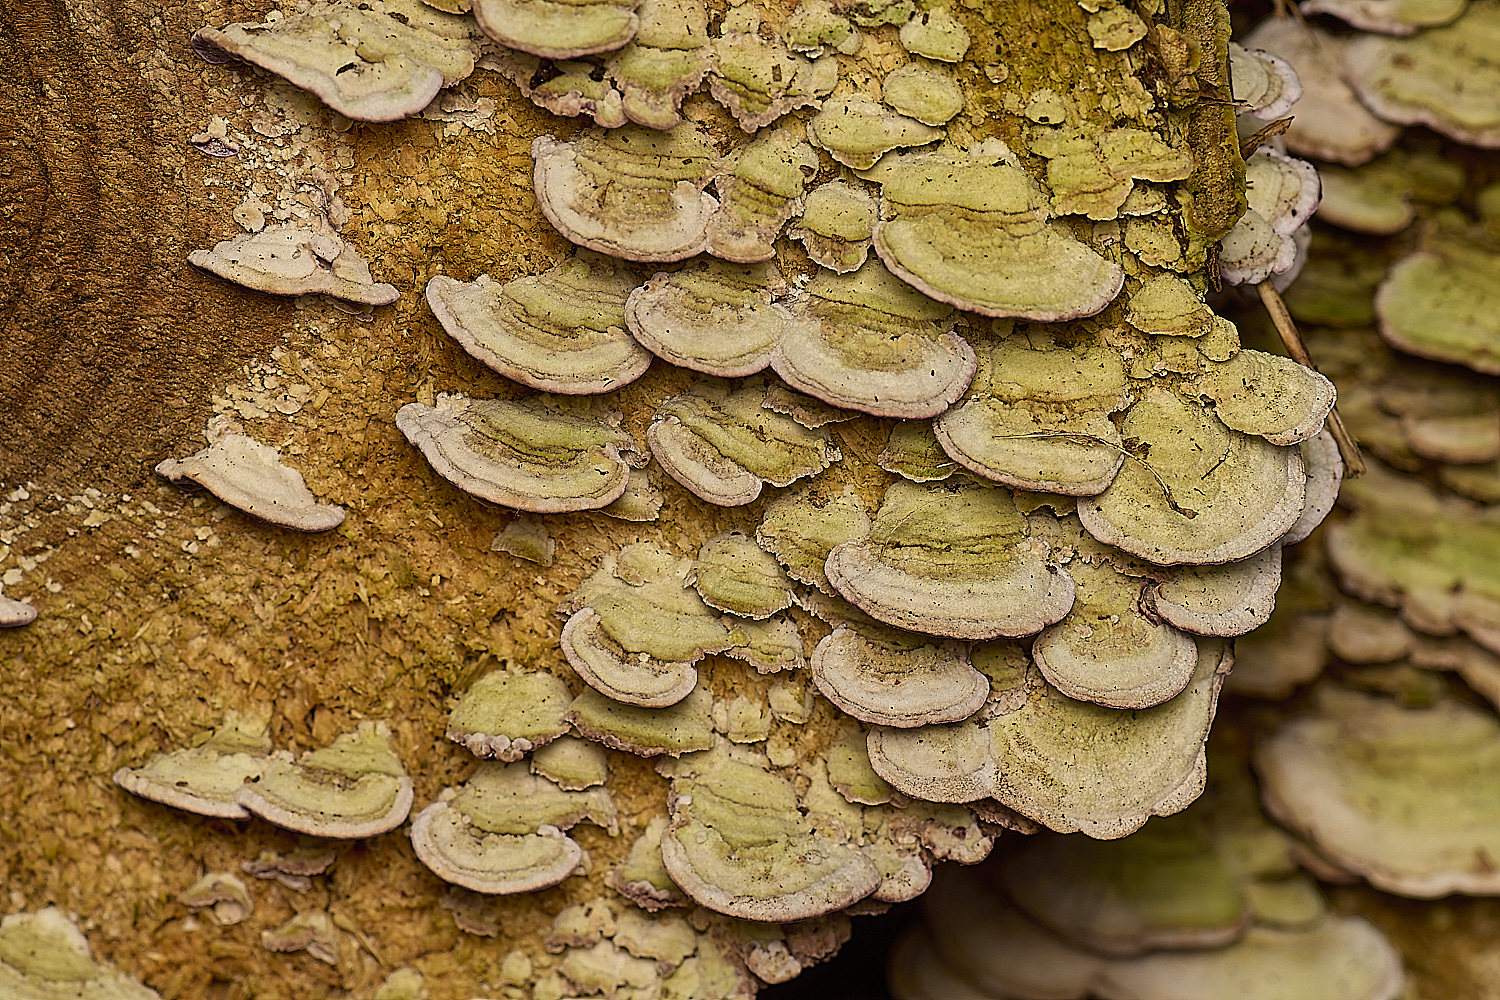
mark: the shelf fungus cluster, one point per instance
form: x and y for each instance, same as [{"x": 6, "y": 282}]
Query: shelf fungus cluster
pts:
[
  {"x": 938, "y": 489},
  {"x": 1206, "y": 903}
]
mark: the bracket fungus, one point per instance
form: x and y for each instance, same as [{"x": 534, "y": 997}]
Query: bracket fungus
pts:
[
  {"x": 936, "y": 35},
  {"x": 1038, "y": 417},
  {"x": 1268, "y": 395},
  {"x": 868, "y": 341},
  {"x": 1066, "y": 764},
  {"x": 1224, "y": 600},
  {"x": 757, "y": 79},
  {"x": 507, "y": 714},
  {"x": 954, "y": 559},
  {"x": 1330, "y": 123},
  {"x": 372, "y": 61},
  {"x": 973, "y": 230},
  {"x": 1386, "y": 17},
  {"x": 44, "y": 956},
  {"x": 1264, "y": 84},
  {"x": 922, "y": 91},
  {"x": 712, "y": 316},
  {"x": 801, "y": 528},
  {"x": 559, "y": 29},
  {"x": 1402, "y": 796},
  {"x": 502, "y": 831},
  {"x": 251, "y": 476},
  {"x": 1094, "y": 174},
  {"x": 1445, "y": 77},
  {"x": 683, "y": 727},
  {"x": 636, "y": 627},
  {"x": 290, "y": 260},
  {"x": 629, "y": 192},
  {"x": 857, "y": 131},
  {"x": 15, "y": 613},
  {"x": 892, "y": 678},
  {"x": 1201, "y": 494},
  {"x": 205, "y": 778},
  {"x": 760, "y": 188},
  {"x": 559, "y": 331},
  {"x": 736, "y": 575},
  {"x": 542, "y": 454},
  {"x": 723, "y": 444},
  {"x": 1441, "y": 301},
  {"x": 354, "y": 788},
  {"x": 737, "y": 844},
  {"x": 667, "y": 60},
  {"x": 1282, "y": 193},
  {"x": 222, "y": 894},
  {"x": 914, "y": 452},
  {"x": 837, "y": 225},
  {"x": 1106, "y": 650}
]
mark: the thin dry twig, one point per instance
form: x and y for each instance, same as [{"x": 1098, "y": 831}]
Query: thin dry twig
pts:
[
  {"x": 1265, "y": 135},
  {"x": 1354, "y": 464}
]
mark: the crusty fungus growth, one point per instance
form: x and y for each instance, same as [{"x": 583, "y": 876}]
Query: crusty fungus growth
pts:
[
  {"x": 507, "y": 714},
  {"x": 953, "y": 558},
  {"x": 759, "y": 189},
  {"x": 1402, "y": 796},
  {"x": 542, "y": 454},
  {"x": 837, "y": 225},
  {"x": 893, "y": 678},
  {"x": 736, "y": 575},
  {"x": 1093, "y": 174},
  {"x": 354, "y": 788},
  {"x": 723, "y": 444},
  {"x": 661, "y": 214},
  {"x": 738, "y": 844},
  {"x": 43, "y": 955},
  {"x": 1066, "y": 764},
  {"x": 1201, "y": 494},
  {"x": 374, "y": 62},
  {"x": 857, "y": 131},
  {"x": 711, "y": 316},
  {"x": 559, "y": 331},
  {"x": 973, "y": 230},
  {"x": 636, "y": 627},
  {"x": 251, "y": 476},
  {"x": 757, "y": 79},
  {"x": 868, "y": 341},
  {"x": 205, "y": 778},
  {"x": 502, "y": 831},
  {"x": 291, "y": 260},
  {"x": 1038, "y": 417},
  {"x": 559, "y": 29}
]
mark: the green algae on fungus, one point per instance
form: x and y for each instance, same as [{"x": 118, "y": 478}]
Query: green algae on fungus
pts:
[
  {"x": 760, "y": 188},
  {"x": 734, "y": 574},
  {"x": 354, "y": 788},
  {"x": 542, "y": 454},
  {"x": 1389, "y": 17},
  {"x": 628, "y": 192},
  {"x": 1066, "y": 764},
  {"x": 801, "y": 528},
  {"x": 953, "y": 558},
  {"x": 757, "y": 79},
  {"x": 889, "y": 677},
  {"x": 646, "y": 732},
  {"x": 667, "y": 60},
  {"x": 636, "y": 627},
  {"x": 868, "y": 341},
  {"x": 292, "y": 260},
  {"x": 914, "y": 452},
  {"x": 1402, "y": 796},
  {"x": 1092, "y": 173},
  {"x": 206, "y": 777},
  {"x": 559, "y": 29},
  {"x": 43, "y": 955},
  {"x": 723, "y": 444},
  {"x": 973, "y": 230},
  {"x": 559, "y": 331},
  {"x": 375, "y": 62},
  {"x": 1038, "y": 418},
  {"x": 507, "y": 714},
  {"x": 857, "y": 131},
  {"x": 837, "y": 226},
  {"x": 712, "y": 316},
  {"x": 737, "y": 843},
  {"x": 1443, "y": 301},
  {"x": 502, "y": 831}
]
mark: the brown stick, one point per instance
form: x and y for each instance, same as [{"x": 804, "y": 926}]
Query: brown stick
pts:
[{"x": 1354, "y": 464}]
